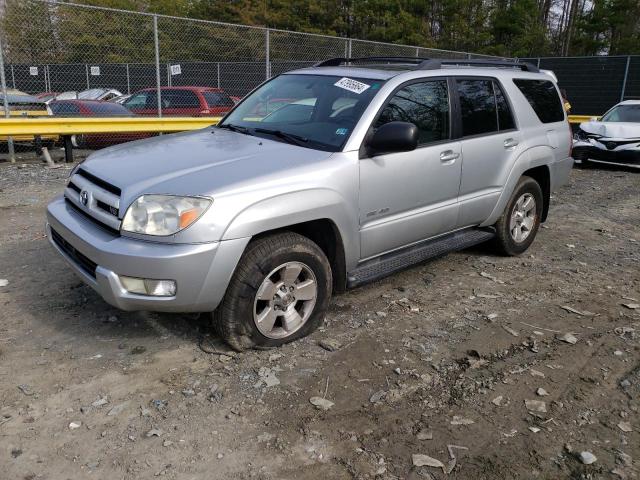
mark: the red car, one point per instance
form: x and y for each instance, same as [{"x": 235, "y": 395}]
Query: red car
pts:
[
  {"x": 95, "y": 108},
  {"x": 183, "y": 101}
]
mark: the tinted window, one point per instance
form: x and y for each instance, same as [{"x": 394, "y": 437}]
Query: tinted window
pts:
[
  {"x": 63, "y": 108},
  {"x": 137, "y": 101},
  {"x": 108, "y": 109},
  {"x": 543, "y": 98},
  {"x": 477, "y": 107},
  {"x": 218, "y": 99},
  {"x": 179, "y": 99},
  {"x": 505, "y": 117},
  {"x": 424, "y": 104}
]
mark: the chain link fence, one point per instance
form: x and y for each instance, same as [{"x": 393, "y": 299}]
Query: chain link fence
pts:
[
  {"x": 62, "y": 47},
  {"x": 595, "y": 84},
  {"x": 61, "y": 51}
]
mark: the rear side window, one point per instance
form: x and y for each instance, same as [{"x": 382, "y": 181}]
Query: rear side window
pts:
[
  {"x": 138, "y": 101},
  {"x": 108, "y": 109},
  {"x": 63, "y": 108},
  {"x": 218, "y": 99},
  {"x": 426, "y": 105},
  {"x": 179, "y": 99},
  {"x": 477, "y": 107},
  {"x": 505, "y": 117},
  {"x": 543, "y": 98}
]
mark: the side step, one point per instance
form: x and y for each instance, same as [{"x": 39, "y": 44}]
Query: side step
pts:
[{"x": 385, "y": 265}]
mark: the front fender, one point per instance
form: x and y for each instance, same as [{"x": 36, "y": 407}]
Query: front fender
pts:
[
  {"x": 298, "y": 207},
  {"x": 531, "y": 158}
]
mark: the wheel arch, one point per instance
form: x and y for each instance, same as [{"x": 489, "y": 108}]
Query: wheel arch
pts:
[
  {"x": 324, "y": 233},
  {"x": 542, "y": 176},
  {"x": 534, "y": 163}
]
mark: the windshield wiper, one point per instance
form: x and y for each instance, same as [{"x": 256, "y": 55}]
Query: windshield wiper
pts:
[
  {"x": 288, "y": 137},
  {"x": 235, "y": 128}
]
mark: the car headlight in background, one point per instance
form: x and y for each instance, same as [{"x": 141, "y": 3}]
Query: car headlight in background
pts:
[{"x": 163, "y": 214}]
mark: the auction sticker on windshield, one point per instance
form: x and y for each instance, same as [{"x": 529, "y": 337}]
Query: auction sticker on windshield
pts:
[{"x": 351, "y": 85}]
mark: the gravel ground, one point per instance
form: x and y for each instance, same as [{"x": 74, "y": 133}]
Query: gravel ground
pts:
[{"x": 482, "y": 366}]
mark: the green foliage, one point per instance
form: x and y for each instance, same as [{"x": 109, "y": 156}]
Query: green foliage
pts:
[{"x": 36, "y": 32}]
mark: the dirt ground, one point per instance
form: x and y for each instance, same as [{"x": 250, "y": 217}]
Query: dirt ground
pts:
[{"x": 441, "y": 360}]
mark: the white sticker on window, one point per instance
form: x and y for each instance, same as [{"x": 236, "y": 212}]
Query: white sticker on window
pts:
[{"x": 352, "y": 85}]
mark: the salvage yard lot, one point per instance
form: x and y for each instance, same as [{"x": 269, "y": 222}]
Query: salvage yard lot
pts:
[{"x": 449, "y": 353}]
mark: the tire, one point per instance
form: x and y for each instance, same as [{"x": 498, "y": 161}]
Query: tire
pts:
[
  {"x": 513, "y": 223},
  {"x": 260, "y": 290}
]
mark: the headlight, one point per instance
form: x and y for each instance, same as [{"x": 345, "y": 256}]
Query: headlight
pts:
[{"x": 163, "y": 214}]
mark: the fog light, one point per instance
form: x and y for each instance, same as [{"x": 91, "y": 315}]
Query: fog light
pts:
[{"x": 147, "y": 286}]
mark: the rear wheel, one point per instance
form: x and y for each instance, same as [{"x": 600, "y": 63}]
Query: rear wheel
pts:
[
  {"x": 517, "y": 227},
  {"x": 279, "y": 293}
]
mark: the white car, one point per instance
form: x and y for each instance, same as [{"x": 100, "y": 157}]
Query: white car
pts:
[{"x": 613, "y": 139}]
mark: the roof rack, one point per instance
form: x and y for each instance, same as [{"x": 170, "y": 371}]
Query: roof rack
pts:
[
  {"x": 335, "y": 62},
  {"x": 422, "y": 63}
]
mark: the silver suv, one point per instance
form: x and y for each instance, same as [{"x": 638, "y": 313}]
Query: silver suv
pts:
[{"x": 320, "y": 180}]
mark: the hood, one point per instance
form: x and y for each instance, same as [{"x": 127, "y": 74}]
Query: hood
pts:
[
  {"x": 613, "y": 130},
  {"x": 201, "y": 162}
]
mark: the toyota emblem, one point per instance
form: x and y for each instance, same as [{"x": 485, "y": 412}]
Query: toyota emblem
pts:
[{"x": 84, "y": 197}]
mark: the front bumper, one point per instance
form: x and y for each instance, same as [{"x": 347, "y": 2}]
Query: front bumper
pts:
[
  {"x": 624, "y": 157},
  {"x": 201, "y": 271}
]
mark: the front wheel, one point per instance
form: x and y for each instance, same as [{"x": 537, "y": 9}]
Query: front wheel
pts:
[
  {"x": 520, "y": 221},
  {"x": 279, "y": 293}
]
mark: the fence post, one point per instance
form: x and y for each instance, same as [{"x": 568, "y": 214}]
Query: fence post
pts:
[
  {"x": 417, "y": 52},
  {"x": 128, "y": 80},
  {"x": 349, "y": 56},
  {"x": 266, "y": 54},
  {"x": 157, "y": 48},
  {"x": 86, "y": 71},
  {"x": 626, "y": 74},
  {"x": 3, "y": 82},
  {"x": 218, "y": 68},
  {"x": 13, "y": 77},
  {"x": 538, "y": 62}
]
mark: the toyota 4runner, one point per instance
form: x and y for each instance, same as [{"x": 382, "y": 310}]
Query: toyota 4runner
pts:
[{"x": 321, "y": 179}]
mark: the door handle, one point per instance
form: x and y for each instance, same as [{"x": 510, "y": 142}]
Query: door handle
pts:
[
  {"x": 449, "y": 156},
  {"x": 510, "y": 143}
]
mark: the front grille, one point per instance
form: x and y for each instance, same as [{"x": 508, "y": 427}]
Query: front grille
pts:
[
  {"x": 98, "y": 181},
  {"x": 107, "y": 208},
  {"x": 92, "y": 219},
  {"x": 78, "y": 258},
  {"x": 95, "y": 198}
]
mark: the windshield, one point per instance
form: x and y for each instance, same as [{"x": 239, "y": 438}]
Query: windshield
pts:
[
  {"x": 316, "y": 111},
  {"x": 623, "y": 113}
]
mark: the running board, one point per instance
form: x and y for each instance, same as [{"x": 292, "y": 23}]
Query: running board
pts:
[{"x": 385, "y": 265}]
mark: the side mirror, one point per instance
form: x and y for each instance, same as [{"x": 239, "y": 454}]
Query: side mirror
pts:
[{"x": 393, "y": 137}]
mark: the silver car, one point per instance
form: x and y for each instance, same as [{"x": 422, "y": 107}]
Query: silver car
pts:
[{"x": 321, "y": 179}]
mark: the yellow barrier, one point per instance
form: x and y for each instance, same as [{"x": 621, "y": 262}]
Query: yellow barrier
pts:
[
  {"x": 581, "y": 118},
  {"x": 15, "y": 126}
]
